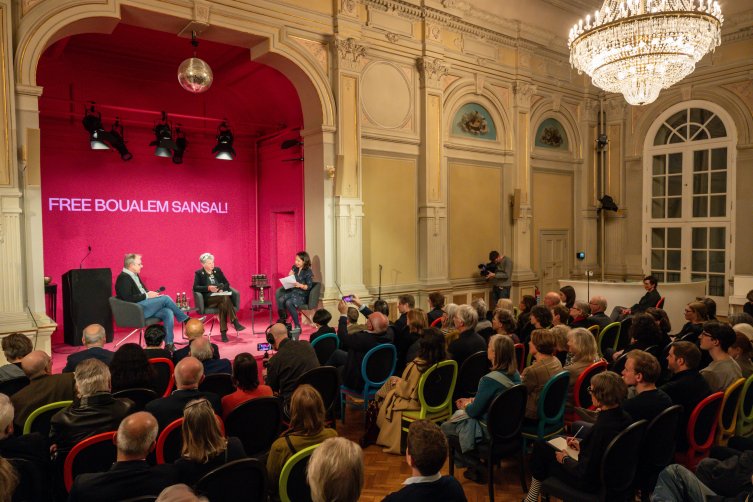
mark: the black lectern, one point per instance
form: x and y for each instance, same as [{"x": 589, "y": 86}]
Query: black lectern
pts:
[{"x": 85, "y": 301}]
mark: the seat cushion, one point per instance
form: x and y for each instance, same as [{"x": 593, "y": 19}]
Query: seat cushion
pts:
[{"x": 556, "y": 487}]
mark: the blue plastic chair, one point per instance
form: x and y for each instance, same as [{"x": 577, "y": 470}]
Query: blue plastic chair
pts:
[
  {"x": 551, "y": 409},
  {"x": 374, "y": 373}
]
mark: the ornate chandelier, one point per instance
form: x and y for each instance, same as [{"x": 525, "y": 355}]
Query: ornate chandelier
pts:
[{"x": 639, "y": 47}]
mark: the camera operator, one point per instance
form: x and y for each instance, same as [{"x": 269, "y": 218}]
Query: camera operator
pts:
[{"x": 499, "y": 269}]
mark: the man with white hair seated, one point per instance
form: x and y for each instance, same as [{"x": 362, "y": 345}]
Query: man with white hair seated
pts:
[
  {"x": 209, "y": 280},
  {"x": 96, "y": 412},
  {"x": 130, "y": 476},
  {"x": 31, "y": 447},
  {"x": 94, "y": 339},
  {"x": 202, "y": 350}
]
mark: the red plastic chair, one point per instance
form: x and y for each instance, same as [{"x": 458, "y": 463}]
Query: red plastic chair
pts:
[
  {"x": 170, "y": 441},
  {"x": 162, "y": 366},
  {"x": 660, "y": 303},
  {"x": 701, "y": 431},
  {"x": 93, "y": 454},
  {"x": 437, "y": 322},
  {"x": 581, "y": 398}
]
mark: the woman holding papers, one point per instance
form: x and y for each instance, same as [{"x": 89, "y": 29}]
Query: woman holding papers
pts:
[
  {"x": 214, "y": 286},
  {"x": 291, "y": 296},
  {"x": 608, "y": 392}
]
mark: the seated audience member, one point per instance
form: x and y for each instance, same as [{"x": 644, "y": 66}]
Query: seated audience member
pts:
[
  {"x": 436, "y": 302},
  {"x": 540, "y": 317},
  {"x": 686, "y": 387},
  {"x": 204, "y": 445},
  {"x": 527, "y": 302},
  {"x": 650, "y": 299},
  {"x": 552, "y": 299},
  {"x": 307, "y": 428},
  {"x": 608, "y": 391},
  {"x": 598, "y": 317},
  {"x": 710, "y": 306},
  {"x": 179, "y": 493},
  {"x": 407, "y": 338},
  {"x": 246, "y": 381},
  {"x": 560, "y": 334},
  {"x": 293, "y": 359},
  {"x": 354, "y": 346},
  {"x": 335, "y": 471},
  {"x": 745, "y": 329},
  {"x": 462, "y": 433},
  {"x": 643, "y": 333},
  {"x": 748, "y": 306},
  {"x": 44, "y": 388},
  {"x": 740, "y": 318},
  {"x": 448, "y": 321},
  {"x": 468, "y": 342},
  {"x": 567, "y": 296},
  {"x": 194, "y": 328},
  {"x": 130, "y": 369},
  {"x": 579, "y": 313},
  {"x": 352, "y": 319},
  {"x": 15, "y": 347},
  {"x": 189, "y": 373},
  {"x": 400, "y": 394},
  {"x": 641, "y": 371},
  {"x": 130, "y": 476},
  {"x": 382, "y": 307},
  {"x": 202, "y": 350},
  {"x": 505, "y": 304},
  {"x": 425, "y": 454},
  {"x": 405, "y": 303},
  {"x": 678, "y": 484},
  {"x": 723, "y": 371},
  {"x": 545, "y": 366},
  {"x": 9, "y": 480},
  {"x": 32, "y": 447},
  {"x": 321, "y": 320},
  {"x": 695, "y": 314},
  {"x": 94, "y": 339},
  {"x": 741, "y": 351},
  {"x": 560, "y": 315},
  {"x": 96, "y": 412},
  {"x": 504, "y": 323},
  {"x": 484, "y": 325},
  {"x": 154, "y": 337},
  {"x": 662, "y": 321},
  {"x": 581, "y": 345}
]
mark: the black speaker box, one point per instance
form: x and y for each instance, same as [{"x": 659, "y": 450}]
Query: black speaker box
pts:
[{"x": 86, "y": 294}]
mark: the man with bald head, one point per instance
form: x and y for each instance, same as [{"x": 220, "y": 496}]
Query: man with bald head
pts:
[
  {"x": 354, "y": 346},
  {"x": 188, "y": 375},
  {"x": 552, "y": 299},
  {"x": 293, "y": 359},
  {"x": 45, "y": 388},
  {"x": 194, "y": 329},
  {"x": 130, "y": 476},
  {"x": 94, "y": 339}
]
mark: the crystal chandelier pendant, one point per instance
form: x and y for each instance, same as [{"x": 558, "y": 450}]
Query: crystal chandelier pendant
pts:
[
  {"x": 639, "y": 47},
  {"x": 194, "y": 74}
]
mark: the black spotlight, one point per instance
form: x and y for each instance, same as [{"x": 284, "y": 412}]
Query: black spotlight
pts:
[
  {"x": 602, "y": 141},
  {"x": 608, "y": 204},
  {"x": 165, "y": 146},
  {"x": 180, "y": 145},
  {"x": 224, "y": 148},
  {"x": 115, "y": 136},
  {"x": 93, "y": 124}
]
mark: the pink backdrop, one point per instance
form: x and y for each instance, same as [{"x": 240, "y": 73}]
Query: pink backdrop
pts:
[{"x": 254, "y": 193}]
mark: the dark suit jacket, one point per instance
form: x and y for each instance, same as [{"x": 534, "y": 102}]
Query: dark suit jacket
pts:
[
  {"x": 126, "y": 289},
  {"x": 687, "y": 388},
  {"x": 100, "y": 353},
  {"x": 124, "y": 480},
  {"x": 213, "y": 366},
  {"x": 650, "y": 299},
  {"x": 600, "y": 319},
  {"x": 186, "y": 351},
  {"x": 170, "y": 408},
  {"x": 201, "y": 282},
  {"x": 469, "y": 342},
  {"x": 42, "y": 390},
  {"x": 357, "y": 345}
]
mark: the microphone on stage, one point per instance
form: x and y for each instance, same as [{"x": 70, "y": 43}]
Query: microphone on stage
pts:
[
  {"x": 80, "y": 265},
  {"x": 161, "y": 289}
]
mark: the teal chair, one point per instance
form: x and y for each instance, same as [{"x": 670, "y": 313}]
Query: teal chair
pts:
[
  {"x": 39, "y": 420},
  {"x": 551, "y": 409},
  {"x": 377, "y": 366},
  {"x": 609, "y": 337},
  {"x": 324, "y": 346},
  {"x": 293, "y": 486}
]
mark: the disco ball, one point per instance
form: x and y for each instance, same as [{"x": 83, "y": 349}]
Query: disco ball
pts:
[{"x": 195, "y": 75}]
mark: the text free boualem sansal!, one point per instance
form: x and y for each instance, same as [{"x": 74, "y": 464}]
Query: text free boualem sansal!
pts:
[{"x": 85, "y": 205}]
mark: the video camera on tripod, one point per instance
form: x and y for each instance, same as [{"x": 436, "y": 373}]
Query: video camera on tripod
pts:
[{"x": 487, "y": 268}]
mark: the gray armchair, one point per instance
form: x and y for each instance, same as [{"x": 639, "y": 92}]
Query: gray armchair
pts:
[
  {"x": 130, "y": 315},
  {"x": 312, "y": 301},
  {"x": 202, "y": 310}
]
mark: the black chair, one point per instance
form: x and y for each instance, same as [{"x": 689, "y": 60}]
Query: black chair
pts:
[
  {"x": 219, "y": 383},
  {"x": 256, "y": 423},
  {"x": 244, "y": 479},
  {"x": 139, "y": 396},
  {"x": 471, "y": 371},
  {"x": 505, "y": 420},
  {"x": 326, "y": 380},
  {"x": 293, "y": 485},
  {"x": 10, "y": 387},
  {"x": 624, "y": 339},
  {"x": 658, "y": 449},
  {"x": 203, "y": 310},
  {"x": 312, "y": 300},
  {"x": 324, "y": 346},
  {"x": 33, "y": 484},
  {"x": 130, "y": 315},
  {"x": 618, "y": 467},
  {"x": 619, "y": 364}
]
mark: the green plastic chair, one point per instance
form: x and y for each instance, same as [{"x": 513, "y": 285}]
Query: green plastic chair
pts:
[
  {"x": 609, "y": 337},
  {"x": 293, "y": 485},
  {"x": 42, "y": 416},
  {"x": 745, "y": 416}
]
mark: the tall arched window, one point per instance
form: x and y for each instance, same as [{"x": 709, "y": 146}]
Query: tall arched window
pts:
[{"x": 688, "y": 180}]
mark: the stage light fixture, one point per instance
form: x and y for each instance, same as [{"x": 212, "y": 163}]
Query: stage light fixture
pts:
[
  {"x": 93, "y": 124},
  {"x": 180, "y": 145},
  {"x": 165, "y": 146},
  {"x": 224, "y": 148},
  {"x": 116, "y": 138}
]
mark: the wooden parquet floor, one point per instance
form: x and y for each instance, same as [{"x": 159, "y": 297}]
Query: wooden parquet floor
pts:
[{"x": 385, "y": 473}]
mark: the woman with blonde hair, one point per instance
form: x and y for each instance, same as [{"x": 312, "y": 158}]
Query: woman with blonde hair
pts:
[
  {"x": 416, "y": 321},
  {"x": 581, "y": 346},
  {"x": 335, "y": 471},
  {"x": 307, "y": 428},
  {"x": 204, "y": 445}
]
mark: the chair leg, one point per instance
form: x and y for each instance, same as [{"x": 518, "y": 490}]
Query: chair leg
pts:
[
  {"x": 490, "y": 477},
  {"x": 129, "y": 335},
  {"x": 343, "y": 401},
  {"x": 451, "y": 454},
  {"x": 521, "y": 459}
]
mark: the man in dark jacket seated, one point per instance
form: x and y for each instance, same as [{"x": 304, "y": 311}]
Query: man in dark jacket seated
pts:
[
  {"x": 469, "y": 342},
  {"x": 650, "y": 299},
  {"x": 96, "y": 412},
  {"x": 201, "y": 350},
  {"x": 642, "y": 370},
  {"x": 130, "y": 476},
  {"x": 94, "y": 339},
  {"x": 194, "y": 329}
]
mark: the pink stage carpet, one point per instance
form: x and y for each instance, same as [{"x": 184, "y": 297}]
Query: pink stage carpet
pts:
[{"x": 246, "y": 342}]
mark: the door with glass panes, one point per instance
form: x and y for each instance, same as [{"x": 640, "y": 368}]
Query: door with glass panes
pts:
[{"x": 687, "y": 189}]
